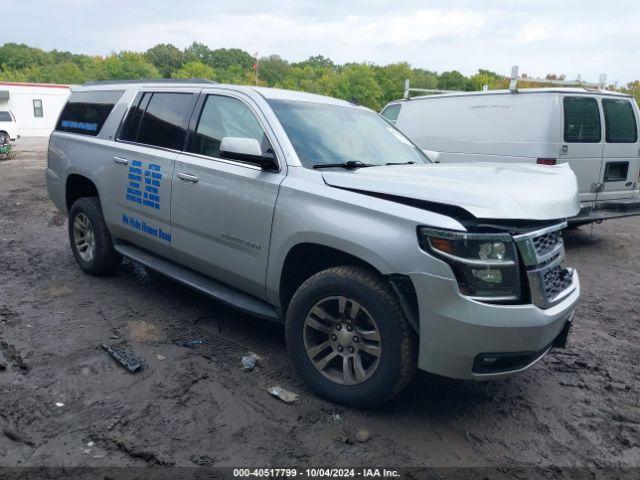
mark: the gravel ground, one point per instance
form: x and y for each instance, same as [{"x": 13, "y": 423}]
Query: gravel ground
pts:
[{"x": 65, "y": 402}]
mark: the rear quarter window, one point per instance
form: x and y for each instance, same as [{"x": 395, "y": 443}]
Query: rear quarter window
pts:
[
  {"x": 86, "y": 112},
  {"x": 619, "y": 121},
  {"x": 581, "y": 120}
]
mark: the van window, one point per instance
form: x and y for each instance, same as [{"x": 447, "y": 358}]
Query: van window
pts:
[
  {"x": 619, "y": 121},
  {"x": 164, "y": 122},
  {"x": 225, "y": 117},
  {"x": 581, "y": 120},
  {"x": 392, "y": 112},
  {"x": 5, "y": 117},
  {"x": 86, "y": 112}
]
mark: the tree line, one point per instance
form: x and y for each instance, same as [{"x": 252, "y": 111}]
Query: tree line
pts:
[{"x": 366, "y": 83}]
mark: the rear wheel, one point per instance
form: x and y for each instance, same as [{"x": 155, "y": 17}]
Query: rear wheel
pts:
[
  {"x": 90, "y": 239},
  {"x": 4, "y": 138},
  {"x": 349, "y": 338}
]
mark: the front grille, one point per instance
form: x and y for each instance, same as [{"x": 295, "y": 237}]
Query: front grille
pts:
[
  {"x": 542, "y": 253},
  {"x": 547, "y": 242},
  {"x": 556, "y": 280}
]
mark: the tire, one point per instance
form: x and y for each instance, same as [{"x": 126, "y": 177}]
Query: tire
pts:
[
  {"x": 104, "y": 259},
  {"x": 4, "y": 138},
  {"x": 368, "y": 295}
]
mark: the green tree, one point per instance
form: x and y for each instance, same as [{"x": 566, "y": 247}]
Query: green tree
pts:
[
  {"x": 489, "y": 78},
  {"x": 127, "y": 65},
  {"x": 317, "y": 61},
  {"x": 166, "y": 58},
  {"x": 225, "y": 58},
  {"x": 391, "y": 80},
  {"x": 355, "y": 82},
  {"x": 454, "y": 80},
  {"x": 14, "y": 56},
  {"x": 273, "y": 69},
  {"x": 195, "y": 69}
]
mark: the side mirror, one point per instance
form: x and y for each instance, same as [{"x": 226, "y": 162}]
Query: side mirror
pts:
[
  {"x": 432, "y": 155},
  {"x": 247, "y": 150}
]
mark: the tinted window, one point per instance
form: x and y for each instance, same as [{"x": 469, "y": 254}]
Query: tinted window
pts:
[
  {"x": 129, "y": 130},
  {"x": 5, "y": 117},
  {"x": 225, "y": 117},
  {"x": 581, "y": 120},
  {"x": 391, "y": 113},
  {"x": 86, "y": 112},
  {"x": 619, "y": 121},
  {"x": 164, "y": 120}
]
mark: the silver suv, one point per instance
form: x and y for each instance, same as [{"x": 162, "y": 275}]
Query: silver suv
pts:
[{"x": 318, "y": 213}]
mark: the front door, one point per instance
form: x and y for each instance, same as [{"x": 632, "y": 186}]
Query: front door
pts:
[
  {"x": 619, "y": 173},
  {"x": 142, "y": 163},
  {"x": 222, "y": 210},
  {"x": 583, "y": 144}
]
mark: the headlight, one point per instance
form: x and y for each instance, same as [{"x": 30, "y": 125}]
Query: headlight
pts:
[{"x": 485, "y": 264}]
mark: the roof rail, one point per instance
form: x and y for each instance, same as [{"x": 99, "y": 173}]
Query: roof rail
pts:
[
  {"x": 513, "y": 84},
  {"x": 148, "y": 80},
  {"x": 408, "y": 90}
]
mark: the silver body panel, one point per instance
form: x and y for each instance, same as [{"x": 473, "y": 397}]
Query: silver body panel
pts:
[{"x": 236, "y": 223}]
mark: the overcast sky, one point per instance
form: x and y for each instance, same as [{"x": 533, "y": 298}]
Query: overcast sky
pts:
[{"x": 588, "y": 36}]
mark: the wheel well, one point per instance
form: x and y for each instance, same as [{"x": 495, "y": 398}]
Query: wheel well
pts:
[
  {"x": 305, "y": 260},
  {"x": 78, "y": 187}
]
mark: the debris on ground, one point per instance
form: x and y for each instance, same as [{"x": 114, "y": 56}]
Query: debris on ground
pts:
[
  {"x": 9, "y": 352},
  {"x": 59, "y": 404},
  {"x": 349, "y": 436},
  {"x": 363, "y": 435},
  {"x": 192, "y": 343},
  {"x": 249, "y": 362},
  {"x": 285, "y": 395},
  {"x": 123, "y": 354},
  {"x": 17, "y": 437},
  {"x": 161, "y": 357}
]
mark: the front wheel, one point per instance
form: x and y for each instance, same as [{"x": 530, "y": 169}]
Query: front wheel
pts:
[
  {"x": 90, "y": 239},
  {"x": 348, "y": 337}
]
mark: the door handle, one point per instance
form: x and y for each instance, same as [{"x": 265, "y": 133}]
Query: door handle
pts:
[
  {"x": 121, "y": 161},
  {"x": 188, "y": 178}
]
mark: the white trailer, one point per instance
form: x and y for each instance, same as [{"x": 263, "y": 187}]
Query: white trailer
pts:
[
  {"x": 35, "y": 106},
  {"x": 592, "y": 129}
]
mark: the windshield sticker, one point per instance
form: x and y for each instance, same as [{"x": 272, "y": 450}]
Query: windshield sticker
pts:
[
  {"x": 151, "y": 177},
  {"x": 399, "y": 136},
  {"x": 142, "y": 226}
]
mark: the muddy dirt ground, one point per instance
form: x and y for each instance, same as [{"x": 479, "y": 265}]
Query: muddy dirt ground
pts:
[{"x": 65, "y": 402}]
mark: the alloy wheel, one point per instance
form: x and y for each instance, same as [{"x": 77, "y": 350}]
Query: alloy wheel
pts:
[{"x": 342, "y": 340}]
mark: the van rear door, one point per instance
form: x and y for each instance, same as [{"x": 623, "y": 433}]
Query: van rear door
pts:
[
  {"x": 583, "y": 143},
  {"x": 619, "y": 172}
]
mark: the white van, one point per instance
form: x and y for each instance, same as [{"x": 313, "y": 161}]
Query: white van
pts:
[{"x": 594, "y": 130}]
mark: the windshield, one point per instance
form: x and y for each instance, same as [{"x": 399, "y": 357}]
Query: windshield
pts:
[{"x": 327, "y": 134}]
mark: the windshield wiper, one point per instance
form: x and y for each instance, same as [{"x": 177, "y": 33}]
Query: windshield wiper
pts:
[
  {"x": 401, "y": 163},
  {"x": 350, "y": 165}
]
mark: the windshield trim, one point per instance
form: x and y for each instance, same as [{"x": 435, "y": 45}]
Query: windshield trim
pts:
[{"x": 297, "y": 160}]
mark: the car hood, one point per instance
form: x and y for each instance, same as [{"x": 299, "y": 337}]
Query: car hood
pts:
[{"x": 486, "y": 190}]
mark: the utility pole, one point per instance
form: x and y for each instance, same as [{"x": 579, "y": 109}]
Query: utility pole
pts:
[{"x": 256, "y": 65}]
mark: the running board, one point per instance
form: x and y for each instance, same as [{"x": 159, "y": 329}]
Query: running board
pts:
[{"x": 199, "y": 282}]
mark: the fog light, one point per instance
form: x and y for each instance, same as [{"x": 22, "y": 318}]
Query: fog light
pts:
[{"x": 488, "y": 275}]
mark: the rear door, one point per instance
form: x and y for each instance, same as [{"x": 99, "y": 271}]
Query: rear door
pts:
[
  {"x": 619, "y": 172},
  {"x": 583, "y": 143},
  {"x": 141, "y": 167}
]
